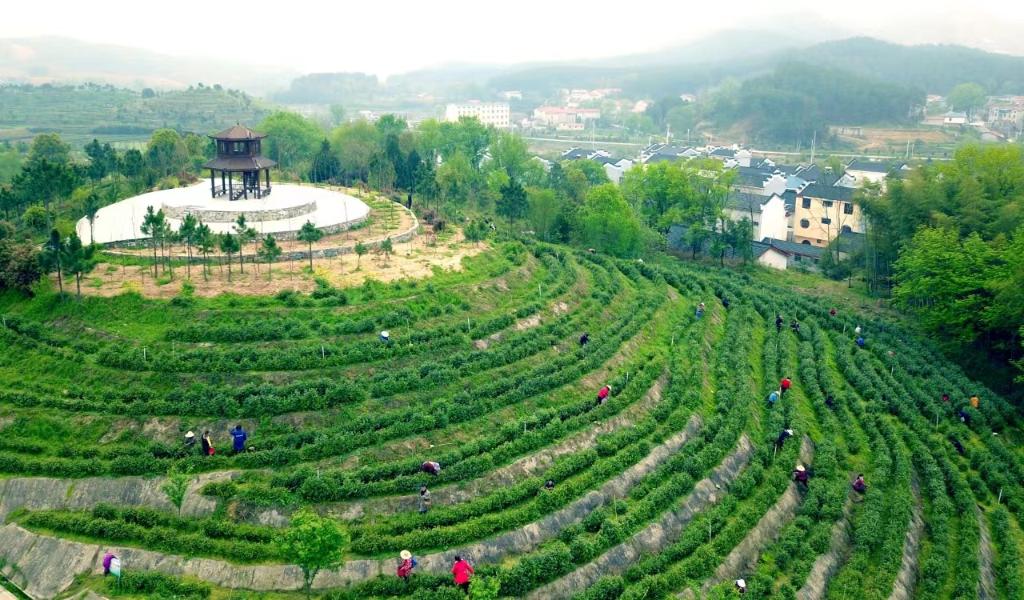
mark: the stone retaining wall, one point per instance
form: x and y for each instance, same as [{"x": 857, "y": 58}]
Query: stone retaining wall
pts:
[
  {"x": 46, "y": 493},
  {"x": 400, "y": 237},
  {"x": 229, "y": 216},
  {"x": 280, "y": 236}
]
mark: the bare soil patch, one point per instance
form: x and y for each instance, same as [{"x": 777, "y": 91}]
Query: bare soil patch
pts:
[{"x": 411, "y": 260}]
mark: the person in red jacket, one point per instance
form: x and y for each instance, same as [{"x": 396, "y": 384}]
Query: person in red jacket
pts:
[
  {"x": 463, "y": 572},
  {"x": 785, "y": 384},
  {"x": 408, "y": 564},
  {"x": 602, "y": 394}
]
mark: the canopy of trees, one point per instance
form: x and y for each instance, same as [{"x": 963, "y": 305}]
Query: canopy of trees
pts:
[
  {"x": 329, "y": 88},
  {"x": 948, "y": 241},
  {"x": 291, "y": 138},
  {"x": 798, "y": 100}
]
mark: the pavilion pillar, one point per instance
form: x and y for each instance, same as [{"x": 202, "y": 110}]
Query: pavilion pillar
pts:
[
  {"x": 223, "y": 183},
  {"x": 213, "y": 184},
  {"x": 267, "y": 171},
  {"x": 231, "y": 187}
]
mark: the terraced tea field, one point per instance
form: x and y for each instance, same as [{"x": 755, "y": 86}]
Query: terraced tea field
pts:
[{"x": 674, "y": 487}]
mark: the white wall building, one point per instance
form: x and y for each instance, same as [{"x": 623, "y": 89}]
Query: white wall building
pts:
[
  {"x": 772, "y": 257},
  {"x": 617, "y": 169},
  {"x": 775, "y": 184},
  {"x": 954, "y": 118},
  {"x": 859, "y": 171},
  {"x": 766, "y": 213},
  {"x": 495, "y": 114}
]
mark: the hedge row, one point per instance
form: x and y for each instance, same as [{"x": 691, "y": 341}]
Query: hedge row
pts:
[{"x": 174, "y": 536}]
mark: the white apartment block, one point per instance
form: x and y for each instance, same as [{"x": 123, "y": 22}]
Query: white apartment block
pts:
[{"x": 489, "y": 113}]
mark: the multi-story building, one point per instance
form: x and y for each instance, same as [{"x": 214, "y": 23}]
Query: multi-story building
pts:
[
  {"x": 822, "y": 212},
  {"x": 1010, "y": 114},
  {"x": 767, "y": 214},
  {"x": 565, "y": 118},
  {"x": 489, "y": 113}
]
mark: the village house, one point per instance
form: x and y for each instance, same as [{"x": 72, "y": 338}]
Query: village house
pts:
[
  {"x": 954, "y": 118},
  {"x": 767, "y": 214},
  {"x": 564, "y": 118},
  {"x": 770, "y": 252},
  {"x": 667, "y": 152},
  {"x": 821, "y": 212},
  {"x": 860, "y": 171},
  {"x": 615, "y": 168}
]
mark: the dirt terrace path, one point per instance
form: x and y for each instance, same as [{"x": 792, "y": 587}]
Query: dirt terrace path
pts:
[
  {"x": 906, "y": 579},
  {"x": 657, "y": 535},
  {"x": 743, "y": 559},
  {"x": 987, "y": 579},
  {"x": 45, "y": 566},
  {"x": 828, "y": 564}
]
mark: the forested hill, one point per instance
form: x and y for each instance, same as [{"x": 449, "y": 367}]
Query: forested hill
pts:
[
  {"x": 933, "y": 68},
  {"x": 80, "y": 112}
]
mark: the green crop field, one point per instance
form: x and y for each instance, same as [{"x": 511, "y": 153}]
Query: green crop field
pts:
[{"x": 674, "y": 487}]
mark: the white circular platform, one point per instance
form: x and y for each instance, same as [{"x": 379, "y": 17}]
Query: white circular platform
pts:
[{"x": 282, "y": 213}]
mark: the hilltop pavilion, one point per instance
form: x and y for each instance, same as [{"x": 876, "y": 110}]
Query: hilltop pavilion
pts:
[{"x": 238, "y": 151}]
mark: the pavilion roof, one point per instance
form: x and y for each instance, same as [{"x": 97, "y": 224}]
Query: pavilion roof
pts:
[{"x": 238, "y": 132}]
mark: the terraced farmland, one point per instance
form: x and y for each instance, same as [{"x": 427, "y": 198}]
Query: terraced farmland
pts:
[{"x": 674, "y": 487}]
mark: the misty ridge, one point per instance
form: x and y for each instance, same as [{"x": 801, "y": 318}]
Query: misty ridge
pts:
[{"x": 693, "y": 66}]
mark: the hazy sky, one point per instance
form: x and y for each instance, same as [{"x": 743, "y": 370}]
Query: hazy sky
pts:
[{"x": 387, "y": 36}]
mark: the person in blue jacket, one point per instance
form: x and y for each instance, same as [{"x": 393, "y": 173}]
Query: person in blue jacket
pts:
[{"x": 239, "y": 435}]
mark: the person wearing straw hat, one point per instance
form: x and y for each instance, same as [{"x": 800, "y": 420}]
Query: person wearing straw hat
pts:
[
  {"x": 741, "y": 586},
  {"x": 190, "y": 440},
  {"x": 408, "y": 564},
  {"x": 801, "y": 476}
]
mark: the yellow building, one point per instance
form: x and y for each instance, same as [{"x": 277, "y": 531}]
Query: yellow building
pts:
[{"x": 822, "y": 212}]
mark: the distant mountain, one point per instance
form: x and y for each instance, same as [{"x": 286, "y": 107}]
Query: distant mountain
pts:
[
  {"x": 733, "y": 45},
  {"x": 64, "y": 60},
  {"x": 933, "y": 68},
  {"x": 330, "y": 88}
]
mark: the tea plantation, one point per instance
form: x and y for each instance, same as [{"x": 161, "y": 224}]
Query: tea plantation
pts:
[{"x": 676, "y": 486}]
